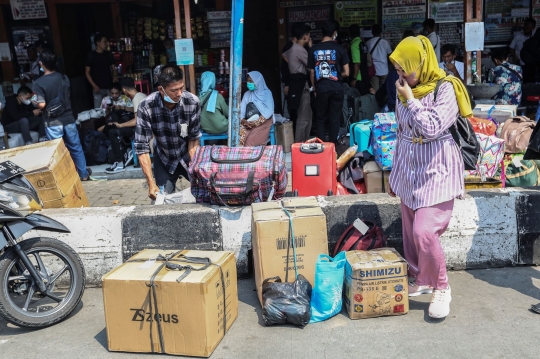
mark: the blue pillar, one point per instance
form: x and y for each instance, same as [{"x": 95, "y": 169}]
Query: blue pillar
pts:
[{"x": 235, "y": 89}]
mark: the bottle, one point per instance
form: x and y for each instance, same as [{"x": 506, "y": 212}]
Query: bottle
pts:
[{"x": 473, "y": 68}]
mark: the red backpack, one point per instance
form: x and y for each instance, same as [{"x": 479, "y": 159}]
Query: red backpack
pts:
[{"x": 352, "y": 239}]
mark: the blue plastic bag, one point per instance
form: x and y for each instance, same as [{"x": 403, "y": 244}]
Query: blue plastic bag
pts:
[{"x": 326, "y": 297}]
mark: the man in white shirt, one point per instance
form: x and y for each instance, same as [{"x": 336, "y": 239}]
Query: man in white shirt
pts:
[
  {"x": 379, "y": 49},
  {"x": 429, "y": 31},
  {"x": 519, "y": 38},
  {"x": 124, "y": 131},
  {"x": 449, "y": 63}
]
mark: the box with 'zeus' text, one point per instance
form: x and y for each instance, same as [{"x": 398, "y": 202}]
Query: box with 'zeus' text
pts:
[
  {"x": 376, "y": 283},
  {"x": 171, "y": 302}
]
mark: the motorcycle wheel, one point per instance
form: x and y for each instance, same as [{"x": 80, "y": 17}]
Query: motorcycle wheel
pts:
[{"x": 21, "y": 302}]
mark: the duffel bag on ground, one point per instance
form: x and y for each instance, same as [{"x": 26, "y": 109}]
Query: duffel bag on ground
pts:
[{"x": 224, "y": 175}]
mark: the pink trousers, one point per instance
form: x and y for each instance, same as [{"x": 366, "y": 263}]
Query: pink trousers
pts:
[{"x": 423, "y": 251}]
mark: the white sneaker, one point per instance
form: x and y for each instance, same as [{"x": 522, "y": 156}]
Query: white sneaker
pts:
[
  {"x": 440, "y": 303},
  {"x": 115, "y": 168},
  {"x": 416, "y": 290}
]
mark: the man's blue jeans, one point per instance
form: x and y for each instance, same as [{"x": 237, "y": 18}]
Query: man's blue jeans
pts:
[{"x": 71, "y": 139}]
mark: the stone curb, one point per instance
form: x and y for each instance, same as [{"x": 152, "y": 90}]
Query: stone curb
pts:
[{"x": 489, "y": 228}]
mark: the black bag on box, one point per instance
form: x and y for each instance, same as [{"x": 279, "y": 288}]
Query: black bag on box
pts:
[{"x": 287, "y": 302}]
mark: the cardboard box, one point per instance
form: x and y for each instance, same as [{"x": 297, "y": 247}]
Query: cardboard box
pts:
[
  {"x": 373, "y": 178},
  {"x": 376, "y": 283},
  {"x": 270, "y": 233},
  {"x": 499, "y": 113},
  {"x": 192, "y": 310},
  {"x": 51, "y": 171}
]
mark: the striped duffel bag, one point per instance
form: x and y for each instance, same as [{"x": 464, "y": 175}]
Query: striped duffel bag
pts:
[{"x": 229, "y": 176}]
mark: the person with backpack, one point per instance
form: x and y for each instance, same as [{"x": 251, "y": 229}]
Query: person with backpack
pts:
[
  {"x": 379, "y": 50},
  {"x": 428, "y": 167},
  {"x": 329, "y": 64},
  {"x": 214, "y": 109},
  {"x": 359, "y": 69},
  {"x": 508, "y": 76},
  {"x": 52, "y": 91}
]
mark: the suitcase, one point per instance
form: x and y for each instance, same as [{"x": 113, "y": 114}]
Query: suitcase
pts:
[
  {"x": 384, "y": 139},
  {"x": 225, "y": 176},
  {"x": 360, "y": 135},
  {"x": 368, "y": 107},
  {"x": 284, "y": 135},
  {"x": 314, "y": 168}
]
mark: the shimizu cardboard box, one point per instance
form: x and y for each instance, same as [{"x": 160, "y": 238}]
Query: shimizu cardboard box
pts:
[
  {"x": 269, "y": 236},
  {"x": 51, "y": 171},
  {"x": 195, "y": 312},
  {"x": 376, "y": 283}
]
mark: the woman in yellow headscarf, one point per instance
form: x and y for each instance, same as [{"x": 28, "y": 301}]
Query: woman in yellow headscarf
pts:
[{"x": 427, "y": 171}]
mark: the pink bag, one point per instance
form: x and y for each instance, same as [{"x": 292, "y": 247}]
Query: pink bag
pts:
[{"x": 222, "y": 175}]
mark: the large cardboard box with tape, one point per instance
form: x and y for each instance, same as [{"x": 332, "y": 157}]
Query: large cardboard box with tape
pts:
[
  {"x": 376, "y": 283},
  {"x": 270, "y": 238},
  {"x": 164, "y": 306},
  {"x": 51, "y": 171}
]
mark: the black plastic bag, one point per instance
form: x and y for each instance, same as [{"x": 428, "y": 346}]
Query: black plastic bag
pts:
[{"x": 286, "y": 302}]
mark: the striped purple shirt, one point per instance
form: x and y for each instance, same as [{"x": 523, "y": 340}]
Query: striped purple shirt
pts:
[{"x": 427, "y": 174}]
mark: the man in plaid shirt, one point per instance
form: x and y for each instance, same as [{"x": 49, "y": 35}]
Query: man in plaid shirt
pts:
[{"x": 172, "y": 116}]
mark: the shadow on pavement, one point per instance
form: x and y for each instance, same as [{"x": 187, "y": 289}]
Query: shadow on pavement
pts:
[{"x": 101, "y": 338}]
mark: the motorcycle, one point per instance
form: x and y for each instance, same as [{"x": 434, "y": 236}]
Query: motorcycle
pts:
[{"x": 42, "y": 279}]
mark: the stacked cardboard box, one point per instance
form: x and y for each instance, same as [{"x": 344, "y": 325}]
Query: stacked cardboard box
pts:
[
  {"x": 270, "y": 238},
  {"x": 51, "y": 171}
]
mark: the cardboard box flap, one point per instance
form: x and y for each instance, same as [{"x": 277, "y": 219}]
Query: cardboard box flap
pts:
[
  {"x": 143, "y": 265},
  {"x": 297, "y": 207},
  {"x": 34, "y": 157},
  {"x": 375, "y": 258}
]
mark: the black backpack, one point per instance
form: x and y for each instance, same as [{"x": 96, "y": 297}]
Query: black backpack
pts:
[
  {"x": 463, "y": 134},
  {"x": 96, "y": 148}
]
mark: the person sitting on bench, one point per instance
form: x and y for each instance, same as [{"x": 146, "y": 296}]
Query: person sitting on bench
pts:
[{"x": 119, "y": 131}]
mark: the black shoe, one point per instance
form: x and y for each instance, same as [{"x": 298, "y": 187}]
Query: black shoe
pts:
[{"x": 536, "y": 308}]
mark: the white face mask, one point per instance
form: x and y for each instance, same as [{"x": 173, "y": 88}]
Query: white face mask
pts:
[{"x": 26, "y": 102}]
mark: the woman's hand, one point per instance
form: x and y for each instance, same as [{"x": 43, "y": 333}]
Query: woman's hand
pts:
[
  {"x": 389, "y": 190},
  {"x": 243, "y": 122},
  {"x": 404, "y": 89}
]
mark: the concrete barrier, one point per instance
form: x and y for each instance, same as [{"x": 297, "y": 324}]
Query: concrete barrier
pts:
[{"x": 489, "y": 228}]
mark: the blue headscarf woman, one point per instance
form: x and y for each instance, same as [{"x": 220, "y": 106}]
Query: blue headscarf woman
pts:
[
  {"x": 256, "y": 111},
  {"x": 214, "y": 109}
]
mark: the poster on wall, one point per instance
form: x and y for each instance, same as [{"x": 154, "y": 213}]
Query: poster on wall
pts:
[
  {"x": 399, "y": 16},
  {"x": 362, "y": 13},
  {"x": 445, "y": 10},
  {"x": 507, "y": 8},
  {"x": 312, "y": 16},
  {"x": 403, "y": 7},
  {"x": 395, "y": 25},
  {"x": 501, "y": 29},
  {"x": 28, "y": 9},
  {"x": 305, "y": 3},
  {"x": 452, "y": 33},
  {"x": 25, "y": 37}
]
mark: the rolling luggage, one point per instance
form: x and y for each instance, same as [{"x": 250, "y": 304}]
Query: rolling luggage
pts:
[
  {"x": 360, "y": 133},
  {"x": 314, "y": 168},
  {"x": 222, "y": 175}
]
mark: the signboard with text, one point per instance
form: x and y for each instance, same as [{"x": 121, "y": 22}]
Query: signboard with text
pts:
[
  {"x": 313, "y": 16},
  {"x": 446, "y": 10},
  {"x": 362, "y": 13},
  {"x": 28, "y": 9}
]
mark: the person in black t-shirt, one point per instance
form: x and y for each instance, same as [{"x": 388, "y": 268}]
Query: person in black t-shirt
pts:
[
  {"x": 20, "y": 116},
  {"x": 100, "y": 69},
  {"x": 329, "y": 64}
]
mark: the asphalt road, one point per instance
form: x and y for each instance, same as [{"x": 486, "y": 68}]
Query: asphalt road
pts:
[{"x": 490, "y": 318}]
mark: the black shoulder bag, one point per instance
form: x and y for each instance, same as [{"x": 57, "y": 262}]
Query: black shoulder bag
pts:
[
  {"x": 463, "y": 134},
  {"x": 56, "y": 107}
]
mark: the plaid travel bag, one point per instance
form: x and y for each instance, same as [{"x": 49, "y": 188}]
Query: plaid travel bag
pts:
[{"x": 227, "y": 176}]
